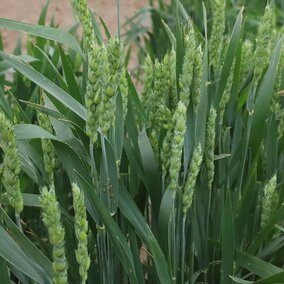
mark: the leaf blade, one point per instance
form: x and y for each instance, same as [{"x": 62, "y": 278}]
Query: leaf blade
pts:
[
  {"x": 42, "y": 31},
  {"x": 45, "y": 84}
]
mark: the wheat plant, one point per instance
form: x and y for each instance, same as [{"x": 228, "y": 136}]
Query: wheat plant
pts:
[{"x": 181, "y": 182}]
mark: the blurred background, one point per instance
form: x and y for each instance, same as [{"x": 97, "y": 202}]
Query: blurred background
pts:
[
  {"x": 141, "y": 22},
  {"x": 29, "y": 10}
]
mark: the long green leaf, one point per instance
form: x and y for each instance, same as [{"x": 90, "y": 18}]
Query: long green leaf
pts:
[
  {"x": 4, "y": 104},
  {"x": 109, "y": 178},
  {"x": 170, "y": 35},
  {"x": 5, "y": 279},
  {"x": 200, "y": 122},
  {"x": 257, "y": 242},
  {"x": 29, "y": 199},
  {"x": 70, "y": 77},
  {"x": 30, "y": 131},
  {"x": 164, "y": 217},
  {"x": 274, "y": 279},
  {"x": 227, "y": 241},
  {"x": 229, "y": 57},
  {"x": 13, "y": 254},
  {"x": 26, "y": 245},
  {"x": 256, "y": 265},
  {"x": 241, "y": 281},
  {"x": 264, "y": 97},
  {"x": 134, "y": 216},
  {"x": 50, "y": 66},
  {"x": 45, "y": 84},
  {"x": 42, "y": 31},
  {"x": 151, "y": 170},
  {"x": 118, "y": 131},
  {"x": 5, "y": 66}
]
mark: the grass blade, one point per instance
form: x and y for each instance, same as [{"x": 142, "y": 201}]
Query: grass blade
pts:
[
  {"x": 13, "y": 254},
  {"x": 256, "y": 265},
  {"x": 227, "y": 241},
  {"x": 26, "y": 245},
  {"x": 42, "y": 31},
  {"x": 134, "y": 216},
  {"x": 45, "y": 84},
  {"x": 263, "y": 99},
  {"x": 5, "y": 277},
  {"x": 229, "y": 57}
]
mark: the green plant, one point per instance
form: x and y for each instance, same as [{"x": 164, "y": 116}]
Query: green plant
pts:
[
  {"x": 175, "y": 185},
  {"x": 56, "y": 232},
  {"x": 146, "y": 29}
]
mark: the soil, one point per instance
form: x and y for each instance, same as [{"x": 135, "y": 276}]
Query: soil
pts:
[{"x": 29, "y": 11}]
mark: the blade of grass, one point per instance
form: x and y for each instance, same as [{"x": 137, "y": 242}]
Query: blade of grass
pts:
[
  {"x": 229, "y": 57},
  {"x": 44, "y": 32},
  {"x": 241, "y": 281},
  {"x": 257, "y": 242},
  {"x": 4, "y": 104},
  {"x": 5, "y": 278},
  {"x": 109, "y": 177},
  {"x": 5, "y": 66},
  {"x": 256, "y": 265},
  {"x": 118, "y": 131},
  {"x": 45, "y": 84},
  {"x": 31, "y": 200},
  {"x": 26, "y": 245},
  {"x": 263, "y": 99},
  {"x": 164, "y": 217},
  {"x": 201, "y": 116},
  {"x": 70, "y": 77},
  {"x": 43, "y": 13},
  {"x": 150, "y": 170},
  {"x": 52, "y": 69},
  {"x": 13, "y": 254},
  {"x": 170, "y": 35},
  {"x": 134, "y": 216},
  {"x": 274, "y": 279},
  {"x": 41, "y": 21}
]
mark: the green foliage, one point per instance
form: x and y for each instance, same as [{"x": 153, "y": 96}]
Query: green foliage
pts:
[{"x": 179, "y": 183}]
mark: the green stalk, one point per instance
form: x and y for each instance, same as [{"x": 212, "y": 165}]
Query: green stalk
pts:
[
  {"x": 110, "y": 266},
  {"x": 102, "y": 255},
  {"x": 93, "y": 164},
  {"x": 179, "y": 237},
  {"x": 174, "y": 240},
  {"x": 191, "y": 247},
  {"x": 104, "y": 151},
  {"x": 18, "y": 221},
  {"x": 118, "y": 18},
  {"x": 102, "y": 251},
  {"x": 108, "y": 253},
  {"x": 183, "y": 247},
  {"x": 208, "y": 223},
  {"x": 244, "y": 154}
]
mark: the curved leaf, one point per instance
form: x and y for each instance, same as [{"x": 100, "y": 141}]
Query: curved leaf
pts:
[
  {"x": 131, "y": 212},
  {"x": 256, "y": 265},
  {"x": 42, "y": 31},
  {"x": 13, "y": 254},
  {"x": 45, "y": 84},
  {"x": 262, "y": 104},
  {"x": 26, "y": 245}
]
